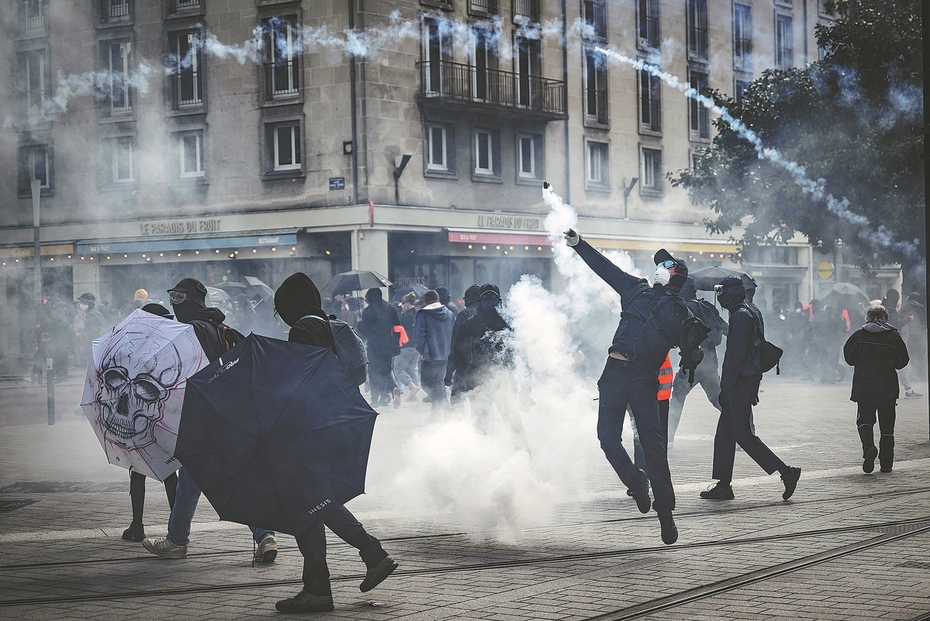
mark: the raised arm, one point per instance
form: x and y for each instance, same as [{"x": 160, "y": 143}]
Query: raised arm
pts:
[{"x": 619, "y": 281}]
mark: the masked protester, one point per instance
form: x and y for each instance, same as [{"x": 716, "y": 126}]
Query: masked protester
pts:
[
  {"x": 377, "y": 327},
  {"x": 876, "y": 350},
  {"x": 298, "y": 303},
  {"x": 188, "y": 299},
  {"x": 136, "y": 530},
  {"x": 459, "y": 374},
  {"x": 706, "y": 373},
  {"x": 739, "y": 391},
  {"x": 654, "y": 320}
]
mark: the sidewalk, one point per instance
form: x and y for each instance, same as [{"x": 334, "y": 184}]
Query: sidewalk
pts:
[{"x": 847, "y": 546}]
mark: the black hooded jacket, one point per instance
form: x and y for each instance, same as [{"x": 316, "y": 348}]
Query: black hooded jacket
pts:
[
  {"x": 377, "y": 326},
  {"x": 207, "y": 324},
  {"x": 875, "y": 350},
  {"x": 707, "y": 313},
  {"x": 298, "y": 303}
]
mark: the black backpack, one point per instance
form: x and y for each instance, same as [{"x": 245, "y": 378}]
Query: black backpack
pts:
[
  {"x": 350, "y": 351},
  {"x": 661, "y": 330},
  {"x": 769, "y": 353}
]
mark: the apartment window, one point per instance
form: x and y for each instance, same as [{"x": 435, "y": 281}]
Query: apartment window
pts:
[
  {"x": 647, "y": 16},
  {"x": 482, "y": 7},
  {"x": 486, "y": 82},
  {"x": 530, "y": 157},
  {"x": 598, "y": 165},
  {"x": 651, "y": 173},
  {"x": 117, "y": 65},
  {"x": 528, "y": 63},
  {"x": 438, "y": 52},
  {"x": 439, "y": 148},
  {"x": 190, "y": 154},
  {"x": 187, "y": 81},
  {"x": 526, "y": 10},
  {"x": 35, "y": 82},
  {"x": 595, "y": 17},
  {"x": 741, "y": 86},
  {"x": 650, "y": 102},
  {"x": 32, "y": 14},
  {"x": 122, "y": 159},
  {"x": 34, "y": 163},
  {"x": 699, "y": 115},
  {"x": 115, "y": 10},
  {"x": 595, "y": 87},
  {"x": 742, "y": 37},
  {"x": 284, "y": 141},
  {"x": 697, "y": 29},
  {"x": 487, "y": 153},
  {"x": 439, "y": 4},
  {"x": 784, "y": 42},
  {"x": 283, "y": 65}
]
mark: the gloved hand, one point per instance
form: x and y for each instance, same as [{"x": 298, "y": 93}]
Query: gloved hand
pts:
[{"x": 572, "y": 237}]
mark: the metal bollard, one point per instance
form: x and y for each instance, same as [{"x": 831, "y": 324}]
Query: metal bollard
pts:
[{"x": 50, "y": 377}]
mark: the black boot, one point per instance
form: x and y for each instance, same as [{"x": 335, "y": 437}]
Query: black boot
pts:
[
  {"x": 135, "y": 532},
  {"x": 669, "y": 530},
  {"x": 886, "y": 454},
  {"x": 869, "y": 453}
]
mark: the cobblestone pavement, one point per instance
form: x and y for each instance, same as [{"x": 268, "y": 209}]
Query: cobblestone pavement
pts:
[{"x": 847, "y": 546}]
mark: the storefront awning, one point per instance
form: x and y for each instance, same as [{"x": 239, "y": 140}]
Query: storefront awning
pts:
[
  {"x": 29, "y": 251},
  {"x": 476, "y": 237},
  {"x": 203, "y": 243}
]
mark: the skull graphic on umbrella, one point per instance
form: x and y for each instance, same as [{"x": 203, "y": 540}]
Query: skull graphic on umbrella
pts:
[{"x": 135, "y": 388}]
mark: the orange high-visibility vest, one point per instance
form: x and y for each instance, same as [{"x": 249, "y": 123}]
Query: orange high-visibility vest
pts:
[{"x": 666, "y": 375}]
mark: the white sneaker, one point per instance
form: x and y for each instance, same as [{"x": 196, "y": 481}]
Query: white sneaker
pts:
[
  {"x": 267, "y": 549},
  {"x": 412, "y": 389},
  {"x": 164, "y": 548},
  {"x": 912, "y": 394}
]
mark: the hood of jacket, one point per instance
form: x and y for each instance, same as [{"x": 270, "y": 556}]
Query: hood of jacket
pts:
[
  {"x": 188, "y": 311},
  {"x": 688, "y": 290},
  {"x": 436, "y": 309},
  {"x": 297, "y": 297},
  {"x": 877, "y": 326}
]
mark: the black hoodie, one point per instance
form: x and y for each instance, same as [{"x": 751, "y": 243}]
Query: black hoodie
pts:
[
  {"x": 875, "y": 350},
  {"x": 298, "y": 303}
]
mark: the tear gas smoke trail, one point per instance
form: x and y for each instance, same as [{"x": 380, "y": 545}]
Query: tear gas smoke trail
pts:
[{"x": 817, "y": 189}]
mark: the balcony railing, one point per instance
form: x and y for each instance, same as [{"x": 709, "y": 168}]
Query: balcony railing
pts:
[
  {"x": 33, "y": 14},
  {"x": 482, "y": 7},
  {"x": 456, "y": 82},
  {"x": 528, "y": 9},
  {"x": 116, "y": 9}
]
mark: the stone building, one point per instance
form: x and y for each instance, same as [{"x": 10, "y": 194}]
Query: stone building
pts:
[{"x": 224, "y": 138}]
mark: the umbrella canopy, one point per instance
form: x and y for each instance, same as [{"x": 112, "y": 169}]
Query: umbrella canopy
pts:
[
  {"x": 250, "y": 287},
  {"x": 215, "y": 296},
  {"x": 411, "y": 288},
  {"x": 274, "y": 433},
  {"x": 845, "y": 295},
  {"x": 356, "y": 280},
  {"x": 706, "y": 278},
  {"x": 134, "y": 390}
]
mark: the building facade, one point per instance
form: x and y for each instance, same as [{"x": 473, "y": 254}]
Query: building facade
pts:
[{"x": 212, "y": 139}]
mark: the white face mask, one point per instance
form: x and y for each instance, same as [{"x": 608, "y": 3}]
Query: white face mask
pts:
[{"x": 662, "y": 275}]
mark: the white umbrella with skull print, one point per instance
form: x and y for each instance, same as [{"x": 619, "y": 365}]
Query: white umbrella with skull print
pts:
[{"x": 135, "y": 389}]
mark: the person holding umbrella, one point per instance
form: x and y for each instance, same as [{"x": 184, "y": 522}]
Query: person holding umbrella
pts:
[
  {"x": 188, "y": 299},
  {"x": 298, "y": 303},
  {"x": 739, "y": 391}
]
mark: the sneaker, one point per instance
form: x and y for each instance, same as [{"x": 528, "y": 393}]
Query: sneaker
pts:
[
  {"x": 267, "y": 549},
  {"x": 868, "y": 462},
  {"x": 643, "y": 502},
  {"x": 669, "y": 530},
  {"x": 720, "y": 491},
  {"x": 164, "y": 548},
  {"x": 912, "y": 394},
  {"x": 135, "y": 532},
  {"x": 377, "y": 574},
  {"x": 396, "y": 398},
  {"x": 791, "y": 481},
  {"x": 412, "y": 389},
  {"x": 306, "y": 602}
]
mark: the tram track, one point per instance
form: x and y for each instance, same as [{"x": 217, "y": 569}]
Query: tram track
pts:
[{"x": 901, "y": 529}]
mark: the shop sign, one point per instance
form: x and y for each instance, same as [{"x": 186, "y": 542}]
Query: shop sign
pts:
[
  {"x": 514, "y": 223},
  {"x": 179, "y": 226},
  {"x": 824, "y": 270},
  {"x": 403, "y": 281},
  {"x": 337, "y": 183}
]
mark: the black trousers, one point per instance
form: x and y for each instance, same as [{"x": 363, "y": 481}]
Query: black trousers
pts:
[
  {"x": 379, "y": 374},
  {"x": 735, "y": 427},
  {"x": 432, "y": 373},
  {"x": 137, "y": 492},
  {"x": 639, "y": 456},
  {"x": 865, "y": 421},
  {"x": 312, "y": 544},
  {"x": 622, "y": 385}
]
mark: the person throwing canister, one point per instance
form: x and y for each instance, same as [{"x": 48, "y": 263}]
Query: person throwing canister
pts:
[
  {"x": 739, "y": 391},
  {"x": 876, "y": 351},
  {"x": 654, "y": 320}
]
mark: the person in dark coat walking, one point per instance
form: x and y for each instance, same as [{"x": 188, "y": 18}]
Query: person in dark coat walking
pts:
[
  {"x": 651, "y": 324},
  {"x": 459, "y": 374},
  {"x": 876, "y": 350},
  {"x": 377, "y": 326},
  {"x": 406, "y": 365},
  {"x": 188, "y": 299},
  {"x": 706, "y": 373},
  {"x": 433, "y": 339},
  {"x": 298, "y": 303},
  {"x": 739, "y": 391}
]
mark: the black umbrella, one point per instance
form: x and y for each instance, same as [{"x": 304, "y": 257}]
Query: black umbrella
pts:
[
  {"x": 416, "y": 288},
  {"x": 706, "y": 278},
  {"x": 250, "y": 287},
  {"x": 845, "y": 295},
  {"x": 274, "y": 433},
  {"x": 356, "y": 280}
]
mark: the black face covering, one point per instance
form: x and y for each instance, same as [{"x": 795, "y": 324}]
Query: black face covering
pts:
[{"x": 187, "y": 310}]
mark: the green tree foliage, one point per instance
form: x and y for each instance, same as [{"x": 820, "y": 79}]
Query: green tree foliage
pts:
[{"x": 854, "y": 119}]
